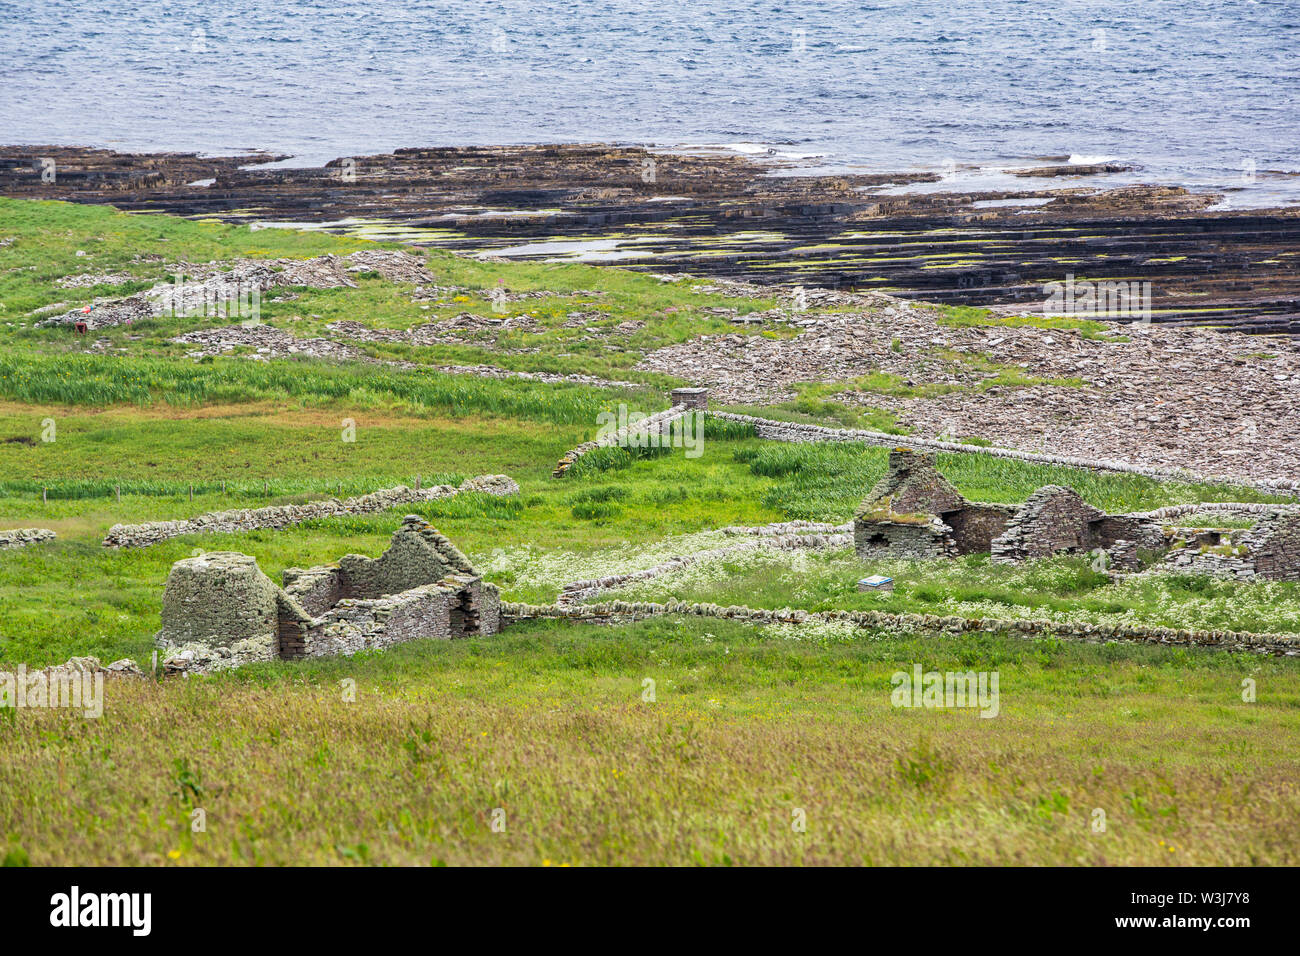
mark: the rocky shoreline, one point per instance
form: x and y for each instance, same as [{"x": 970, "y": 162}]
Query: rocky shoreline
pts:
[{"x": 730, "y": 216}]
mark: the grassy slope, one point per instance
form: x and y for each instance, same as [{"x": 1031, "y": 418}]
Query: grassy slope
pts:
[
  {"x": 548, "y": 724},
  {"x": 543, "y": 721}
]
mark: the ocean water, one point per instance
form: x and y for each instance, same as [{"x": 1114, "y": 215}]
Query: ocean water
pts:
[{"x": 1204, "y": 93}]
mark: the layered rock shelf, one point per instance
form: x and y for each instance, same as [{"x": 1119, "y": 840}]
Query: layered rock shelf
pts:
[{"x": 727, "y": 216}]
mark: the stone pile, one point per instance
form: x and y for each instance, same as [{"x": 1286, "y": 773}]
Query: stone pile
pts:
[
  {"x": 219, "y": 287},
  {"x": 268, "y": 343},
  {"x": 77, "y": 666}
]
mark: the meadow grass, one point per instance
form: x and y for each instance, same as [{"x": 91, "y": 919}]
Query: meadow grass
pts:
[
  {"x": 546, "y": 728},
  {"x": 545, "y": 721},
  {"x": 1063, "y": 588}
]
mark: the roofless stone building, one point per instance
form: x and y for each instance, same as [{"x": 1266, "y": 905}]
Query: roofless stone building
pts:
[
  {"x": 220, "y": 610},
  {"x": 915, "y": 512}
]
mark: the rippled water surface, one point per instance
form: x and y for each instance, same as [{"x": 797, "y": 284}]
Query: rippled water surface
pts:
[{"x": 1197, "y": 92}]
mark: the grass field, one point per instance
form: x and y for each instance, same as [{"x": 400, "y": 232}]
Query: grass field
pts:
[{"x": 546, "y": 722}]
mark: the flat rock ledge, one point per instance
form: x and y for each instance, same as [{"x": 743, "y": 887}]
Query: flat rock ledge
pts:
[
  {"x": 281, "y": 516},
  {"x": 22, "y": 537},
  {"x": 621, "y": 612}
]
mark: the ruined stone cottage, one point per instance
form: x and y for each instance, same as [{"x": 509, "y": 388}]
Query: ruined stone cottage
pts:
[
  {"x": 914, "y": 512},
  {"x": 1269, "y": 549},
  {"x": 220, "y": 610}
]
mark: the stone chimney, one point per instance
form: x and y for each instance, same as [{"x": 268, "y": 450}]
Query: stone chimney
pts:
[{"x": 695, "y": 398}]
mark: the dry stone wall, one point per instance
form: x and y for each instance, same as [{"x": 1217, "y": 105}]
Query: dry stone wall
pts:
[
  {"x": 798, "y": 432},
  {"x": 281, "y": 516},
  {"x": 623, "y": 612},
  {"x": 21, "y": 537},
  {"x": 578, "y": 591},
  {"x": 652, "y": 424}
]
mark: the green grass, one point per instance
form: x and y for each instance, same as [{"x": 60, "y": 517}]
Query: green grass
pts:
[
  {"x": 547, "y": 724},
  {"x": 538, "y": 337},
  {"x": 546, "y": 721},
  {"x": 1062, "y": 589},
  {"x": 970, "y": 315}
]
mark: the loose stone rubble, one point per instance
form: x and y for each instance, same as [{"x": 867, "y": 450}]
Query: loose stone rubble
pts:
[
  {"x": 227, "y": 287},
  {"x": 220, "y": 611},
  {"x": 61, "y": 684},
  {"x": 1171, "y": 398},
  {"x": 268, "y": 343},
  {"x": 21, "y": 537},
  {"x": 652, "y": 427},
  {"x": 281, "y": 516}
]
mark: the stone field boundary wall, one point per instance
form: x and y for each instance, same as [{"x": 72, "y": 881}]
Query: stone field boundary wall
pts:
[
  {"x": 773, "y": 430},
  {"x": 577, "y": 591},
  {"x": 21, "y": 537},
  {"x": 650, "y": 422},
  {"x": 1237, "y": 507},
  {"x": 280, "y": 516},
  {"x": 620, "y": 612}
]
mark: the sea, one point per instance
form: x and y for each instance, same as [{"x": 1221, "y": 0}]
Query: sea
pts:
[{"x": 1200, "y": 93}]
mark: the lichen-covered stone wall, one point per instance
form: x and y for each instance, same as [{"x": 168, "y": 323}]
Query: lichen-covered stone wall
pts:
[
  {"x": 621, "y": 612},
  {"x": 357, "y": 625},
  {"x": 220, "y": 610},
  {"x": 22, "y": 537},
  {"x": 282, "y": 516},
  {"x": 917, "y": 540},
  {"x": 1052, "y": 520}
]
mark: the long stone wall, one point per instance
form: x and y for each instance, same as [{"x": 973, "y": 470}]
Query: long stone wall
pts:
[
  {"x": 577, "y": 591},
  {"x": 1233, "y": 507},
  {"x": 651, "y": 423},
  {"x": 21, "y": 537},
  {"x": 623, "y": 612},
  {"x": 281, "y": 516},
  {"x": 798, "y": 432}
]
